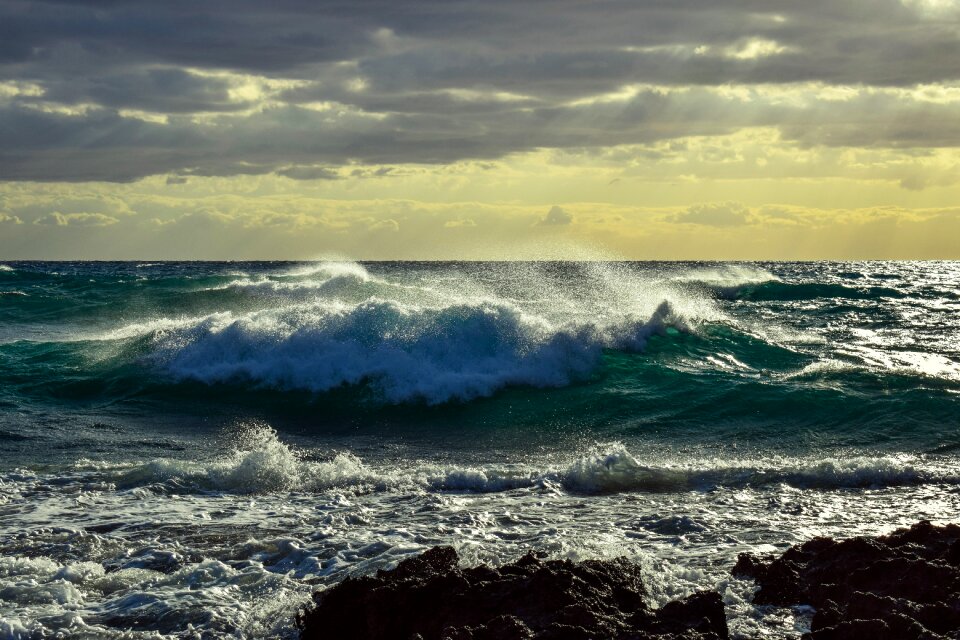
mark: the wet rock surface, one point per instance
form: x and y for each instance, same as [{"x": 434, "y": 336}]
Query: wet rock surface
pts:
[
  {"x": 902, "y": 586},
  {"x": 430, "y": 598}
]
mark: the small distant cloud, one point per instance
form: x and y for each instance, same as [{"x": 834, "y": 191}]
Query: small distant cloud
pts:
[
  {"x": 57, "y": 219},
  {"x": 716, "y": 214},
  {"x": 753, "y": 48},
  {"x": 6, "y": 218},
  {"x": 459, "y": 224},
  {"x": 557, "y": 216},
  {"x": 779, "y": 215},
  {"x": 308, "y": 173},
  {"x": 372, "y": 173},
  {"x": 913, "y": 183},
  {"x": 385, "y": 225},
  {"x": 177, "y": 180}
]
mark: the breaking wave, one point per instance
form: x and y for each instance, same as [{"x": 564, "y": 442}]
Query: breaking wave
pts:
[
  {"x": 334, "y": 324},
  {"x": 458, "y": 352},
  {"x": 262, "y": 463}
]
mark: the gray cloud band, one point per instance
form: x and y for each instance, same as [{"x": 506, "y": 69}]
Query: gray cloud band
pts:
[{"x": 433, "y": 82}]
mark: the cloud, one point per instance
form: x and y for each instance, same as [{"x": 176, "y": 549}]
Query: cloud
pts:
[
  {"x": 168, "y": 90},
  {"x": 6, "y": 218},
  {"x": 252, "y": 220},
  {"x": 106, "y": 91},
  {"x": 308, "y": 173},
  {"x": 384, "y": 225},
  {"x": 465, "y": 223},
  {"x": 718, "y": 214},
  {"x": 58, "y": 219},
  {"x": 557, "y": 216},
  {"x": 99, "y": 144}
]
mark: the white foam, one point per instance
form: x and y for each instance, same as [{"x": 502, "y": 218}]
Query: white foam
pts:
[
  {"x": 6, "y": 267},
  {"x": 262, "y": 463},
  {"x": 37, "y": 581},
  {"x": 408, "y": 352},
  {"x": 33, "y": 567},
  {"x": 232, "y": 545},
  {"x": 206, "y": 594},
  {"x": 617, "y": 470}
]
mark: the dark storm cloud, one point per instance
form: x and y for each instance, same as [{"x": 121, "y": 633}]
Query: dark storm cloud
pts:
[
  {"x": 437, "y": 43},
  {"x": 436, "y": 81},
  {"x": 166, "y": 90},
  {"x": 102, "y": 145},
  {"x": 241, "y": 35}
]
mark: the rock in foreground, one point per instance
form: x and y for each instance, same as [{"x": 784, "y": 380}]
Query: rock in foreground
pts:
[
  {"x": 902, "y": 586},
  {"x": 430, "y": 598}
]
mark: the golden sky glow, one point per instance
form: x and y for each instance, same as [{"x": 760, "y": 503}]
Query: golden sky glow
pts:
[{"x": 645, "y": 130}]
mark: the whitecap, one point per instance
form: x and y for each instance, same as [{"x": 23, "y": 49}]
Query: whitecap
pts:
[{"x": 406, "y": 351}]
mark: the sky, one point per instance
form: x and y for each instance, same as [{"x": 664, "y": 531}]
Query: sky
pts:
[{"x": 502, "y": 129}]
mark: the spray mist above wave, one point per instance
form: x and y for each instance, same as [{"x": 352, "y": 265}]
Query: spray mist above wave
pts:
[
  {"x": 725, "y": 276},
  {"x": 311, "y": 279},
  {"x": 452, "y": 338},
  {"x": 331, "y": 268}
]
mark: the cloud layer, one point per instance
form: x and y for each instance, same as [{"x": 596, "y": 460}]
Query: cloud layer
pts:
[{"x": 102, "y": 90}]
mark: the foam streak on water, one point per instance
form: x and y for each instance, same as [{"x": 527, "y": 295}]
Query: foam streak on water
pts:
[{"x": 234, "y": 544}]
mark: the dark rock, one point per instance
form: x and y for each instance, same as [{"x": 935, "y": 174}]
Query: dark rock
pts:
[
  {"x": 430, "y": 598},
  {"x": 902, "y": 586}
]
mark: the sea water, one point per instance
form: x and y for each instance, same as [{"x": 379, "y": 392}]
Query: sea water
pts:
[{"x": 190, "y": 450}]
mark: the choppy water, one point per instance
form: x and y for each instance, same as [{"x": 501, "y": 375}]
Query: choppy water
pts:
[{"x": 189, "y": 449}]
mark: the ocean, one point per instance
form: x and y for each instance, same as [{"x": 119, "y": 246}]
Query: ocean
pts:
[{"x": 190, "y": 449}]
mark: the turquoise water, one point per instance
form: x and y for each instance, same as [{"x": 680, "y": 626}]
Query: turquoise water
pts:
[{"x": 262, "y": 429}]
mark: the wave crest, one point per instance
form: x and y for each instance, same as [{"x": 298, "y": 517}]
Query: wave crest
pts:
[
  {"x": 407, "y": 352},
  {"x": 617, "y": 470},
  {"x": 261, "y": 463}
]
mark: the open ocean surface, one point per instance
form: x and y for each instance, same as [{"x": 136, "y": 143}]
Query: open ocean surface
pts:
[{"x": 188, "y": 450}]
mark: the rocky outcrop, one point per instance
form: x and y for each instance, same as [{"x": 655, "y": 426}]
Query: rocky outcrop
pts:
[
  {"x": 430, "y": 597},
  {"x": 902, "y": 586}
]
